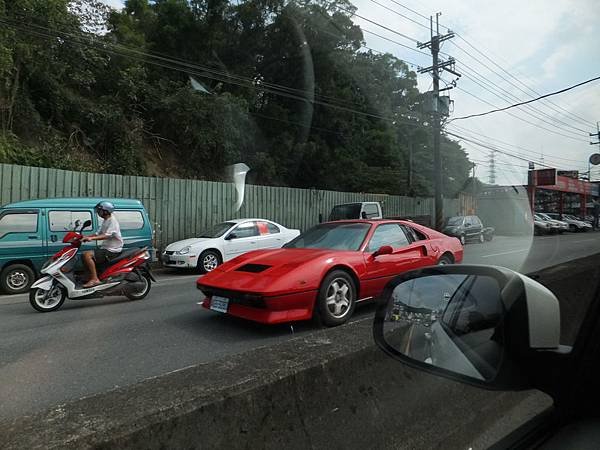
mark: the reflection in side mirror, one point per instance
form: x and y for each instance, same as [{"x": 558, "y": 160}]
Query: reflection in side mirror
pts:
[
  {"x": 449, "y": 321},
  {"x": 487, "y": 326},
  {"x": 384, "y": 250}
]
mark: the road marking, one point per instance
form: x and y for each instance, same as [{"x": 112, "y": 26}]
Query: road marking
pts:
[
  {"x": 582, "y": 240},
  {"x": 506, "y": 253}
]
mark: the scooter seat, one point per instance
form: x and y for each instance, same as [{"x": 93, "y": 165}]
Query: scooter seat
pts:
[{"x": 126, "y": 254}]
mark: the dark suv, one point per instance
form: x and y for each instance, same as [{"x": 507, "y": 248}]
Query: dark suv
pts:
[{"x": 467, "y": 228}]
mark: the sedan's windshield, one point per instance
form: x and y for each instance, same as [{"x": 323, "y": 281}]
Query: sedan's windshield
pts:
[
  {"x": 454, "y": 221},
  {"x": 217, "y": 230},
  {"x": 344, "y": 236}
]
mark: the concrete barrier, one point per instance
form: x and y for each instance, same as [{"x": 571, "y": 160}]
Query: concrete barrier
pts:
[{"x": 331, "y": 389}]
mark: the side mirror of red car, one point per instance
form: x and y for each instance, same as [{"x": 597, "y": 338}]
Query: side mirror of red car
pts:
[{"x": 383, "y": 250}]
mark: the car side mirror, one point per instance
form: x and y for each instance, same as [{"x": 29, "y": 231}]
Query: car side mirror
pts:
[
  {"x": 480, "y": 325},
  {"x": 383, "y": 250},
  {"x": 230, "y": 236}
]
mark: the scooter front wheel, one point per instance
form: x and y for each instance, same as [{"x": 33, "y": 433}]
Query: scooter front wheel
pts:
[
  {"x": 144, "y": 289},
  {"x": 46, "y": 301}
]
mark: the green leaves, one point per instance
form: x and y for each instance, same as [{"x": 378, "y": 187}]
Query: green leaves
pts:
[{"x": 292, "y": 93}]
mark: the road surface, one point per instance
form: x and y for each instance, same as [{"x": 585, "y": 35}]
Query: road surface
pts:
[{"x": 92, "y": 346}]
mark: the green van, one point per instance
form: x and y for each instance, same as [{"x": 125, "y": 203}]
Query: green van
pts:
[{"x": 31, "y": 231}]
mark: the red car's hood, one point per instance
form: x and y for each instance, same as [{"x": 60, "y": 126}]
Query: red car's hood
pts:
[{"x": 275, "y": 272}]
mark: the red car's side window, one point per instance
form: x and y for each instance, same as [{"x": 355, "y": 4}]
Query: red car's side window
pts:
[{"x": 388, "y": 234}]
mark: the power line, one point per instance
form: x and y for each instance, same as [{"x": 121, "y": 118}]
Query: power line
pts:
[
  {"x": 577, "y": 117},
  {"x": 553, "y": 105},
  {"x": 494, "y": 90},
  {"x": 520, "y": 118},
  {"x": 518, "y": 147},
  {"x": 529, "y": 101},
  {"x": 377, "y": 24}
]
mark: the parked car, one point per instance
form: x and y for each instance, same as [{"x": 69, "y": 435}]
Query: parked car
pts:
[
  {"x": 557, "y": 225},
  {"x": 541, "y": 226},
  {"x": 357, "y": 210},
  {"x": 327, "y": 270},
  {"x": 225, "y": 241},
  {"x": 467, "y": 228},
  {"x": 574, "y": 223},
  {"x": 31, "y": 231},
  {"x": 553, "y": 226}
]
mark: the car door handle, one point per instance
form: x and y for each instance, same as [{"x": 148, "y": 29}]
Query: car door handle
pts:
[{"x": 32, "y": 237}]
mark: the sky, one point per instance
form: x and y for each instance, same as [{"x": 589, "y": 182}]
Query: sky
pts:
[{"x": 532, "y": 47}]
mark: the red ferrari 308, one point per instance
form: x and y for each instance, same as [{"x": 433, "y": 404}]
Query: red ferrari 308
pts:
[{"x": 327, "y": 270}]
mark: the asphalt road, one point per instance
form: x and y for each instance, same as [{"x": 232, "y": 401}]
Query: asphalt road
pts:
[{"x": 92, "y": 346}]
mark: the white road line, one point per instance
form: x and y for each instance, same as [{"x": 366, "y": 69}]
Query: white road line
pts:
[
  {"x": 582, "y": 240},
  {"x": 506, "y": 253}
]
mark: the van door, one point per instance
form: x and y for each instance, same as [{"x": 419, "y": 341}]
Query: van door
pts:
[
  {"x": 22, "y": 237},
  {"x": 60, "y": 222}
]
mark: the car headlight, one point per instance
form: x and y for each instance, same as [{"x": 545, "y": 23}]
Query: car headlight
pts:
[{"x": 184, "y": 250}]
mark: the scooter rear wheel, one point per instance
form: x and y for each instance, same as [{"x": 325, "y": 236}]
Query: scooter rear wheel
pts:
[
  {"x": 46, "y": 301},
  {"x": 141, "y": 293}
]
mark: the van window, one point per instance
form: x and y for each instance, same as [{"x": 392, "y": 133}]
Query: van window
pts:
[
  {"x": 371, "y": 210},
  {"x": 65, "y": 220},
  {"x": 128, "y": 220},
  {"x": 18, "y": 223}
]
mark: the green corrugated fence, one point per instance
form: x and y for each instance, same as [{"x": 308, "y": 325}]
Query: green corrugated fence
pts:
[{"x": 183, "y": 208}]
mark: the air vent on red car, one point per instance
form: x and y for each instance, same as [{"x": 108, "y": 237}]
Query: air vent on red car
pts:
[{"x": 253, "y": 268}]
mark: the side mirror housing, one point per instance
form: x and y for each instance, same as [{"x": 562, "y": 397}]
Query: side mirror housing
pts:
[
  {"x": 486, "y": 326},
  {"x": 230, "y": 236},
  {"x": 383, "y": 250}
]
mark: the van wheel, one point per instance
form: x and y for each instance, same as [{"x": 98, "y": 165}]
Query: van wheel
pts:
[{"x": 16, "y": 279}]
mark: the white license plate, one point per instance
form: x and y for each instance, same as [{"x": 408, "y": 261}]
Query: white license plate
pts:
[{"x": 219, "y": 304}]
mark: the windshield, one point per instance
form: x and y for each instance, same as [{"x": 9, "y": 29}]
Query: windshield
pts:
[
  {"x": 454, "y": 221},
  {"x": 345, "y": 212},
  {"x": 347, "y": 236},
  {"x": 544, "y": 216},
  {"x": 217, "y": 230}
]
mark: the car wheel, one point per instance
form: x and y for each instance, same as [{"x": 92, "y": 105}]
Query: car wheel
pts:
[
  {"x": 16, "y": 279},
  {"x": 208, "y": 261},
  {"x": 481, "y": 238},
  {"x": 573, "y": 228},
  {"x": 46, "y": 301},
  {"x": 445, "y": 259},
  {"x": 489, "y": 237},
  {"x": 337, "y": 298},
  {"x": 463, "y": 239}
]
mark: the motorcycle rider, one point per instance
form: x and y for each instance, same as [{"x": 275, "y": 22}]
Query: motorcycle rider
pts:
[{"x": 111, "y": 246}]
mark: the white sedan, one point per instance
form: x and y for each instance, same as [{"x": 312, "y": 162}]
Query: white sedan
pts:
[{"x": 226, "y": 241}]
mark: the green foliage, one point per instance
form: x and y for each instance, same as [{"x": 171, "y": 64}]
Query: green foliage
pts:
[{"x": 291, "y": 93}]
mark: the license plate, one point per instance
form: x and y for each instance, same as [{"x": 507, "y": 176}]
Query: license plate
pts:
[
  {"x": 166, "y": 260},
  {"x": 219, "y": 304}
]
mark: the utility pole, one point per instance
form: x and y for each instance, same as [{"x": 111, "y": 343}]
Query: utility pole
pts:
[
  {"x": 492, "y": 178},
  {"x": 597, "y": 136},
  {"x": 436, "y": 67}
]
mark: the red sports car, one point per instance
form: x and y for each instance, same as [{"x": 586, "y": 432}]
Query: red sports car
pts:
[{"x": 327, "y": 269}]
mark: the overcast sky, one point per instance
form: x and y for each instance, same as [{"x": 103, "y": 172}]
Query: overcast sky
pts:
[{"x": 546, "y": 45}]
